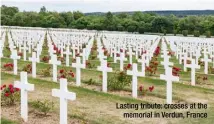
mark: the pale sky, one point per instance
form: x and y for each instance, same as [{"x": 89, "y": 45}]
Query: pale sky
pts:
[{"x": 110, "y": 5}]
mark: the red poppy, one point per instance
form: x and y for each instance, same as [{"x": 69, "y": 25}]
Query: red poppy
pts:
[
  {"x": 6, "y": 94},
  {"x": 17, "y": 89},
  {"x": 151, "y": 88},
  {"x": 61, "y": 71},
  {"x": 10, "y": 85},
  {"x": 108, "y": 64},
  {"x": 72, "y": 74},
  {"x": 141, "y": 88},
  {"x": 129, "y": 66}
]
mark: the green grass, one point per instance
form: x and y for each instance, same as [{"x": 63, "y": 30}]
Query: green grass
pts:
[{"x": 6, "y": 121}]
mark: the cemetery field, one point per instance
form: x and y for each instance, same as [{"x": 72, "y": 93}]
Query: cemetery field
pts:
[
  {"x": 91, "y": 105},
  {"x": 80, "y": 77}
]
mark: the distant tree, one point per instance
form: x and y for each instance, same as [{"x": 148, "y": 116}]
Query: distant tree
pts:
[
  {"x": 43, "y": 10},
  {"x": 77, "y": 15},
  {"x": 141, "y": 30},
  {"x": 185, "y": 32}
]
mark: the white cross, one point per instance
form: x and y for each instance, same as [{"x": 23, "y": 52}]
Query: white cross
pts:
[
  {"x": 134, "y": 74},
  {"x": 122, "y": 59},
  {"x": 24, "y": 87},
  {"x": 105, "y": 69},
  {"x": 166, "y": 62},
  {"x": 168, "y": 77},
  {"x": 24, "y": 48},
  {"x": 143, "y": 62},
  {"x": 130, "y": 55},
  {"x": 193, "y": 66},
  {"x": 64, "y": 95},
  {"x": 67, "y": 55},
  {"x": 78, "y": 66},
  {"x": 34, "y": 60},
  {"x": 206, "y": 61},
  {"x": 55, "y": 62},
  {"x": 15, "y": 57},
  {"x": 83, "y": 54},
  {"x": 74, "y": 51}
]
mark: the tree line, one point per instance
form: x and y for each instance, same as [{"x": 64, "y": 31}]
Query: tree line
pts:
[{"x": 136, "y": 22}]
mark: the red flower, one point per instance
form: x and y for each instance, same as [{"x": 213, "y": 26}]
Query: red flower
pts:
[
  {"x": 17, "y": 89},
  {"x": 151, "y": 88},
  {"x": 141, "y": 88},
  {"x": 6, "y": 94},
  {"x": 62, "y": 76},
  {"x": 4, "y": 86},
  {"x": 61, "y": 71},
  {"x": 108, "y": 64},
  {"x": 11, "y": 90},
  {"x": 129, "y": 66},
  {"x": 10, "y": 85},
  {"x": 72, "y": 74},
  {"x": 20, "y": 54}
]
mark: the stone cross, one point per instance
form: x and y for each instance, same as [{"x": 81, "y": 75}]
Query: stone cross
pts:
[
  {"x": 78, "y": 66},
  {"x": 15, "y": 57},
  {"x": 193, "y": 66},
  {"x": 64, "y": 95},
  {"x": 134, "y": 72},
  {"x": 34, "y": 60},
  {"x": 168, "y": 77},
  {"x": 24, "y": 87},
  {"x": 54, "y": 62},
  {"x": 105, "y": 69}
]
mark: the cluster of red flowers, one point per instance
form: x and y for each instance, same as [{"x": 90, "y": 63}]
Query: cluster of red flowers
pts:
[
  {"x": 157, "y": 51},
  {"x": 58, "y": 51},
  {"x": 8, "y": 91},
  {"x": 8, "y": 66},
  {"x": 27, "y": 68},
  {"x": 118, "y": 55},
  {"x": 62, "y": 59},
  {"x": 128, "y": 67},
  {"x": 152, "y": 68},
  {"x": 65, "y": 74},
  {"x": 141, "y": 89},
  {"x": 20, "y": 54},
  {"x": 175, "y": 71},
  {"x": 45, "y": 59},
  {"x": 201, "y": 78}
]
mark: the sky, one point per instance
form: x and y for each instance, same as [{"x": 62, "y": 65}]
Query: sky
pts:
[{"x": 110, "y": 5}]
